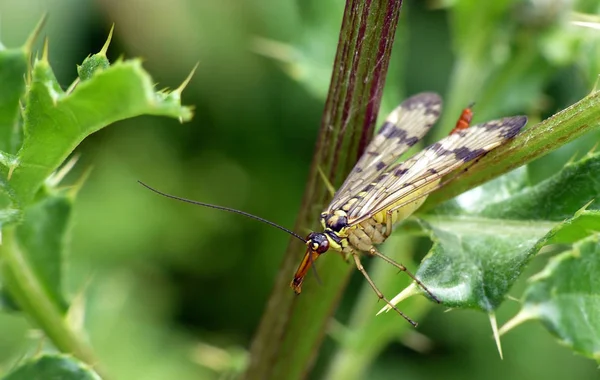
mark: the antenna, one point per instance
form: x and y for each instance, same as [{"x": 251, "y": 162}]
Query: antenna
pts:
[{"x": 232, "y": 210}]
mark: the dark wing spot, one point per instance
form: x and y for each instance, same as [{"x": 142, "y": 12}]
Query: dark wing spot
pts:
[
  {"x": 389, "y": 130},
  {"x": 465, "y": 154},
  {"x": 429, "y": 100},
  {"x": 400, "y": 171},
  {"x": 492, "y": 125},
  {"x": 439, "y": 149},
  {"x": 513, "y": 125},
  {"x": 411, "y": 141},
  {"x": 508, "y": 127},
  {"x": 433, "y": 110},
  {"x": 381, "y": 177},
  {"x": 380, "y": 165}
]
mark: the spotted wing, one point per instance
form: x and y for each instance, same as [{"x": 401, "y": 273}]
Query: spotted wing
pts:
[
  {"x": 403, "y": 128},
  {"x": 404, "y": 182}
]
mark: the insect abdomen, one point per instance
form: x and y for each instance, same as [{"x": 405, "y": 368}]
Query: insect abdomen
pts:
[
  {"x": 367, "y": 233},
  {"x": 406, "y": 209}
]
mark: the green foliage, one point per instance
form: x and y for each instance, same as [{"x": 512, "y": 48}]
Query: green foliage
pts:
[
  {"x": 40, "y": 238},
  {"x": 484, "y": 239},
  {"x": 36, "y": 211},
  {"x": 14, "y": 68},
  {"x": 159, "y": 286},
  {"x": 480, "y": 251},
  {"x": 565, "y": 297},
  {"x": 53, "y": 367}
]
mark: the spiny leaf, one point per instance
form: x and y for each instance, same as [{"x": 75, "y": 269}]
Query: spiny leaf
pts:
[
  {"x": 47, "y": 367},
  {"x": 481, "y": 247},
  {"x": 40, "y": 240},
  {"x": 34, "y": 214},
  {"x": 565, "y": 297},
  {"x": 56, "y": 122},
  {"x": 13, "y": 67}
]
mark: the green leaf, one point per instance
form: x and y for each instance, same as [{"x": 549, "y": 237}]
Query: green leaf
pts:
[
  {"x": 13, "y": 68},
  {"x": 474, "y": 261},
  {"x": 557, "y": 198},
  {"x": 39, "y": 241},
  {"x": 481, "y": 247},
  {"x": 92, "y": 64},
  {"x": 34, "y": 214},
  {"x": 583, "y": 224},
  {"x": 95, "y": 62},
  {"x": 48, "y": 367},
  {"x": 32, "y": 270},
  {"x": 56, "y": 122},
  {"x": 565, "y": 297}
]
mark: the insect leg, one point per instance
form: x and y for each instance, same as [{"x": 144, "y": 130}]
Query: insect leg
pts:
[
  {"x": 345, "y": 256},
  {"x": 388, "y": 224},
  {"x": 373, "y": 251},
  {"x": 362, "y": 270}
]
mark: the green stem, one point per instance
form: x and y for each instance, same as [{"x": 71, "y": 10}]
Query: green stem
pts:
[
  {"x": 534, "y": 142},
  {"x": 292, "y": 328},
  {"x": 37, "y": 305},
  {"x": 367, "y": 335}
]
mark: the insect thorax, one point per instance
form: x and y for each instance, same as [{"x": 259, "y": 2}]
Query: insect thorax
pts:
[
  {"x": 359, "y": 237},
  {"x": 362, "y": 236}
]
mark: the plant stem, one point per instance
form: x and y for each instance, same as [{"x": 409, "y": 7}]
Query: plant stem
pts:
[
  {"x": 530, "y": 144},
  {"x": 32, "y": 298},
  {"x": 366, "y": 334},
  {"x": 292, "y": 328}
]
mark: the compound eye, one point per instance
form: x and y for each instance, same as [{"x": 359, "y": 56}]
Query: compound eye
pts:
[{"x": 323, "y": 246}]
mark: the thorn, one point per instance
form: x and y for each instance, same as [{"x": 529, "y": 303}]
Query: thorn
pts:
[
  {"x": 13, "y": 163},
  {"x": 584, "y": 207},
  {"x": 572, "y": 159},
  {"x": 409, "y": 291},
  {"x": 28, "y": 47},
  {"x": 523, "y": 316},
  {"x": 514, "y": 299},
  {"x": 593, "y": 149},
  {"x": 45, "y": 50},
  {"x": 80, "y": 181},
  {"x": 494, "y": 324},
  {"x": 60, "y": 174},
  {"x": 328, "y": 184},
  {"x": 107, "y": 43},
  {"x": 273, "y": 49},
  {"x": 595, "y": 88},
  {"x": 76, "y": 312},
  {"x": 11, "y": 169},
  {"x": 338, "y": 331},
  {"x": 416, "y": 341},
  {"x": 72, "y": 86},
  {"x": 584, "y": 24},
  {"x": 187, "y": 80}
]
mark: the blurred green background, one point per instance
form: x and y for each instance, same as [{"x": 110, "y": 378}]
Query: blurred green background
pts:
[{"x": 174, "y": 291}]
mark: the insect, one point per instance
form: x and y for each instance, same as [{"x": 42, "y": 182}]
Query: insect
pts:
[{"x": 380, "y": 191}]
